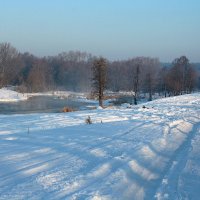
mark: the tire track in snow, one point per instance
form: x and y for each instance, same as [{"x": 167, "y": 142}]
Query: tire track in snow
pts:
[
  {"x": 83, "y": 182},
  {"x": 168, "y": 188},
  {"x": 116, "y": 136},
  {"x": 86, "y": 181}
]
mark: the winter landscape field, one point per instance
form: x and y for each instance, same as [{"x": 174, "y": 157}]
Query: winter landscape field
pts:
[
  {"x": 99, "y": 100},
  {"x": 148, "y": 151}
]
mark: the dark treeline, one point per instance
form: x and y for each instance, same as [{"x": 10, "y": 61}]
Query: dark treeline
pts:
[{"x": 73, "y": 71}]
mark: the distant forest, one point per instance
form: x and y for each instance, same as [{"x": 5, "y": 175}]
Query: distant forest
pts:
[{"x": 72, "y": 71}]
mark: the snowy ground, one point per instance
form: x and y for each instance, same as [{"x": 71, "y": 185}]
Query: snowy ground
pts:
[{"x": 138, "y": 153}]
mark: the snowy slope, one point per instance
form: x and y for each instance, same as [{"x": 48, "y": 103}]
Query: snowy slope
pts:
[{"x": 138, "y": 153}]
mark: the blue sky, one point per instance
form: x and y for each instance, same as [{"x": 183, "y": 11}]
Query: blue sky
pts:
[{"x": 116, "y": 29}]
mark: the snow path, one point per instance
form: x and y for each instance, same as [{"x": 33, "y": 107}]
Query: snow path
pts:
[
  {"x": 137, "y": 153},
  {"x": 169, "y": 188}
]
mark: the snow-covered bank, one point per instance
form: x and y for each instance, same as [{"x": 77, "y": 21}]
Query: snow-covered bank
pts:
[
  {"x": 7, "y": 95},
  {"x": 61, "y": 94},
  {"x": 139, "y": 153}
]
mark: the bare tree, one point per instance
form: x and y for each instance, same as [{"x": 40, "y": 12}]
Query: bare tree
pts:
[
  {"x": 136, "y": 78},
  {"x": 72, "y": 71},
  {"x": 151, "y": 69},
  {"x": 120, "y": 75},
  {"x": 190, "y": 79},
  {"x": 99, "y": 78},
  {"x": 40, "y": 77},
  {"x": 163, "y": 83},
  {"x": 182, "y": 76},
  {"x": 9, "y": 64}
]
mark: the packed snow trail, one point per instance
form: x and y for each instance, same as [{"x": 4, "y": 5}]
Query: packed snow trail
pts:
[
  {"x": 173, "y": 186},
  {"x": 137, "y": 153}
]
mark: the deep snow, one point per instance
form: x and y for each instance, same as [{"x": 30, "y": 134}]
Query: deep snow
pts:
[{"x": 127, "y": 153}]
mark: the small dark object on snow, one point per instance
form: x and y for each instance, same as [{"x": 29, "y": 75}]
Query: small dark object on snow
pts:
[{"x": 88, "y": 120}]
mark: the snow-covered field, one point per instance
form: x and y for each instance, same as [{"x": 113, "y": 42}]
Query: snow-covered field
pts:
[{"x": 137, "y": 153}]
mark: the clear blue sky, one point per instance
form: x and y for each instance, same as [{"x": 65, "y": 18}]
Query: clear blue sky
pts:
[{"x": 116, "y": 29}]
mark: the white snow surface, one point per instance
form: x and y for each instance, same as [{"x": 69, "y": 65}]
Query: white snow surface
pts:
[
  {"x": 7, "y": 95},
  {"x": 128, "y": 153}
]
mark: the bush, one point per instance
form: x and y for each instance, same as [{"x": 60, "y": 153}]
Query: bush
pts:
[{"x": 67, "y": 109}]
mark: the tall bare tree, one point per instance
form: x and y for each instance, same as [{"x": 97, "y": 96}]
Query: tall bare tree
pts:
[
  {"x": 99, "y": 78},
  {"x": 163, "y": 81},
  {"x": 151, "y": 69},
  {"x": 136, "y": 78}
]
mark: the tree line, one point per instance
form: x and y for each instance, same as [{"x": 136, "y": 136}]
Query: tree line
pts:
[{"x": 74, "y": 70}]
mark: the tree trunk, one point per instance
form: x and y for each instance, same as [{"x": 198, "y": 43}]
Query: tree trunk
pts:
[{"x": 135, "y": 100}]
